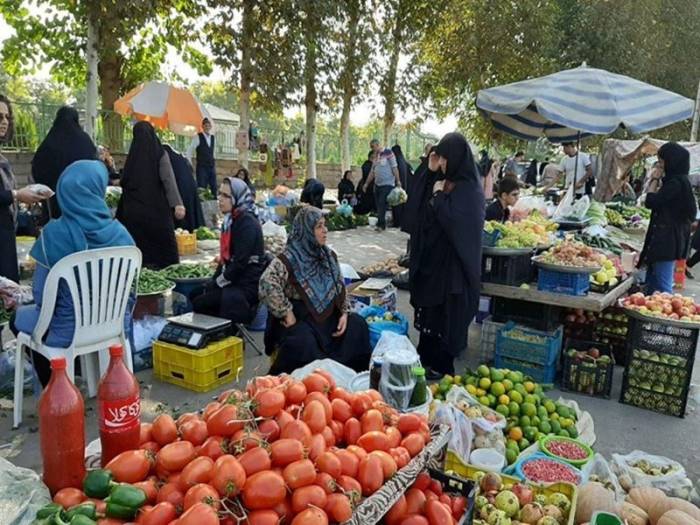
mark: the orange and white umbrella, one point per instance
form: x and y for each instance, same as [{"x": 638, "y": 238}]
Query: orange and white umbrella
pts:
[{"x": 164, "y": 106}]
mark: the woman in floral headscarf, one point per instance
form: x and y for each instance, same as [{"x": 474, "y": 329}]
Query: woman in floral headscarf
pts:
[{"x": 305, "y": 296}]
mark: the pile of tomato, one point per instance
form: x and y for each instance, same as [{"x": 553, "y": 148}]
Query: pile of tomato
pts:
[
  {"x": 284, "y": 451},
  {"x": 425, "y": 503}
]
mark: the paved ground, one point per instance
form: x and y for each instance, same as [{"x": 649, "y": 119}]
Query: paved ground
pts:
[{"x": 619, "y": 428}]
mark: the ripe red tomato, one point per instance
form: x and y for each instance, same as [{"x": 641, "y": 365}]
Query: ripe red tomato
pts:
[
  {"x": 228, "y": 477},
  {"x": 309, "y": 495},
  {"x": 351, "y": 487},
  {"x": 422, "y": 481},
  {"x": 338, "y": 508},
  {"x": 201, "y": 493},
  {"x": 329, "y": 436},
  {"x": 438, "y": 513},
  {"x": 264, "y": 490},
  {"x": 326, "y": 482},
  {"x": 342, "y": 411},
  {"x": 317, "y": 446},
  {"x": 224, "y": 422},
  {"x": 323, "y": 399},
  {"x": 150, "y": 446},
  {"x": 429, "y": 494},
  {"x": 372, "y": 420},
  {"x": 145, "y": 435},
  {"x": 389, "y": 466},
  {"x": 213, "y": 447},
  {"x": 262, "y": 517},
  {"x": 199, "y": 470},
  {"x": 298, "y": 430},
  {"x": 436, "y": 487},
  {"x": 194, "y": 431},
  {"x": 370, "y": 474},
  {"x": 341, "y": 393},
  {"x": 69, "y": 497},
  {"x": 338, "y": 430},
  {"x": 396, "y": 512},
  {"x": 255, "y": 460},
  {"x": 286, "y": 451},
  {"x": 394, "y": 436},
  {"x": 210, "y": 409},
  {"x": 314, "y": 415},
  {"x": 414, "y": 519},
  {"x": 414, "y": 443},
  {"x": 352, "y": 430},
  {"x": 269, "y": 429},
  {"x": 170, "y": 492},
  {"x": 360, "y": 452},
  {"x": 299, "y": 474},
  {"x": 316, "y": 383},
  {"x": 269, "y": 402},
  {"x": 408, "y": 423},
  {"x": 374, "y": 440},
  {"x": 245, "y": 440},
  {"x": 459, "y": 506},
  {"x": 415, "y": 501},
  {"x": 296, "y": 392},
  {"x": 160, "y": 514},
  {"x": 329, "y": 377},
  {"x": 329, "y": 463},
  {"x": 130, "y": 466},
  {"x": 349, "y": 462},
  {"x": 199, "y": 514},
  {"x": 361, "y": 404},
  {"x": 186, "y": 417},
  {"x": 149, "y": 488},
  {"x": 283, "y": 418},
  {"x": 164, "y": 430},
  {"x": 174, "y": 456},
  {"x": 310, "y": 517}
]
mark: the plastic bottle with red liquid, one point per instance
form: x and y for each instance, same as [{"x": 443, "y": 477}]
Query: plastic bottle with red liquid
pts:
[
  {"x": 118, "y": 407},
  {"x": 62, "y": 430}
]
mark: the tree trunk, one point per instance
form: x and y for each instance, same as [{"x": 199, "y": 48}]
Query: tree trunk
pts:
[
  {"x": 92, "y": 77},
  {"x": 310, "y": 98},
  {"x": 348, "y": 81},
  {"x": 110, "y": 90},
  {"x": 389, "y": 85},
  {"x": 246, "y": 74},
  {"x": 345, "y": 159}
]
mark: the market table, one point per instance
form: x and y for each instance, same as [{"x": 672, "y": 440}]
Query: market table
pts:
[{"x": 593, "y": 302}]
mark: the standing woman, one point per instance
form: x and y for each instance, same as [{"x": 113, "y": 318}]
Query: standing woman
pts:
[
  {"x": 9, "y": 198},
  {"x": 445, "y": 269},
  {"x": 673, "y": 209},
  {"x": 187, "y": 186},
  {"x": 243, "y": 174},
  {"x": 65, "y": 143},
  {"x": 150, "y": 199}
]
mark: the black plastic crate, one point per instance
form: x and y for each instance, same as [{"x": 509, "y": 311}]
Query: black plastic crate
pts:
[
  {"x": 650, "y": 400},
  {"x": 657, "y": 336},
  {"x": 586, "y": 375},
  {"x": 456, "y": 485},
  {"x": 512, "y": 270}
]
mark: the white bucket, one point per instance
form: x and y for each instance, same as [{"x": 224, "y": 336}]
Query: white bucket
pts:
[
  {"x": 372, "y": 221},
  {"x": 487, "y": 459}
]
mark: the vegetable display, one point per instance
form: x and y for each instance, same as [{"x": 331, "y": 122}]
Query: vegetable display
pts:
[
  {"x": 572, "y": 253},
  {"x": 429, "y": 499},
  {"x": 205, "y": 234},
  {"x": 387, "y": 267},
  {"x": 187, "y": 271},
  {"x": 152, "y": 282},
  {"x": 528, "y": 233}
]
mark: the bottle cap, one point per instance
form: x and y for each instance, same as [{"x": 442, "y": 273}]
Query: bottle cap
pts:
[
  {"x": 58, "y": 363},
  {"x": 116, "y": 351},
  {"x": 418, "y": 371}
]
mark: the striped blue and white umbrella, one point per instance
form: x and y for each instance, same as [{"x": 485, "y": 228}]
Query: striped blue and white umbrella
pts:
[{"x": 579, "y": 102}]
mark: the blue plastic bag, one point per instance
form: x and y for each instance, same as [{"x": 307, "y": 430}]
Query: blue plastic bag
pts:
[{"x": 399, "y": 325}]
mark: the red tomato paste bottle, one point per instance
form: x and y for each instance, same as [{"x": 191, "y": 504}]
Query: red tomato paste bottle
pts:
[
  {"x": 118, "y": 407},
  {"x": 62, "y": 430}
]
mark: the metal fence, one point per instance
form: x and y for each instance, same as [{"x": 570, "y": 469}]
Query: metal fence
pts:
[{"x": 33, "y": 121}]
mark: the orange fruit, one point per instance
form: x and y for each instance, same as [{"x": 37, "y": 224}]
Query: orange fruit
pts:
[{"x": 515, "y": 433}]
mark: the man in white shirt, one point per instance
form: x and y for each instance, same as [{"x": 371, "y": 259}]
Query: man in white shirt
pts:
[
  {"x": 203, "y": 145},
  {"x": 582, "y": 169}
]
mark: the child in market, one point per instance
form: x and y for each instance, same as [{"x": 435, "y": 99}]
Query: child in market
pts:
[{"x": 507, "y": 195}]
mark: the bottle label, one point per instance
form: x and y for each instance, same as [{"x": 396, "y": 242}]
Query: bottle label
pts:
[{"x": 120, "y": 414}]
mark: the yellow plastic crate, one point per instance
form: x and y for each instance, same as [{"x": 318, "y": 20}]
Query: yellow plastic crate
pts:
[
  {"x": 199, "y": 370},
  {"x": 453, "y": 463},
  {"x": 186, "y": 243}
]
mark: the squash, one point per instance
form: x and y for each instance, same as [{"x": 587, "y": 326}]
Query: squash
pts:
[
  {"x": 633, "y": 514},
  {"x": 661, "y": 507},
  {"x": 644, "y": 497},
  {"x": 677, "y": 517},
  {"x": 591, "y": 498}
]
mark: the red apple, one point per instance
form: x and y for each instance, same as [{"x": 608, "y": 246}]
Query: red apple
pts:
[{"x": 676, "y": 304}]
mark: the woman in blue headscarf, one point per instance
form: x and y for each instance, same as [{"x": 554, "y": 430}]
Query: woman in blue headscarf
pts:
[
  {"x": 85, "y": 224},
  {"x": 233, "y": 291},
  {"x": 305, "y": 296}
]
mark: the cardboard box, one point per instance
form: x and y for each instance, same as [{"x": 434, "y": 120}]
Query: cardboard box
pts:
[{"x": 372, "y": 292}]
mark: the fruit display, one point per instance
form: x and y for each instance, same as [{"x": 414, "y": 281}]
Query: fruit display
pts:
[
  {"x": 579, "y": 324},
  {"x": 566, "y": 449},
  {"x": 431, "y": 499},
  {"x": 599, "y": 242},
  {"x": 389, "y": 267},
  {"x": 665, "y": 376},
  {"x": 608, "y": 274},
  {"x": 530, "y": 415},
  {"x": 546, "y": 470},
  {"x": 572, "y": 253},
  {"x": 615, "y": 218},
  {"x": 596, "y": 214},
  {"x": 338, "y": 221},
  {"x": 508, "y": 502},
  {"x": 664, "y": 305},
  {"x": 443, "y": 387},
  {"x": 305, "y": 450},
  {"x": 388, "y": 317},
  {"x": 153, "y": 282},
  {"x": 181, "y": 271},
  {"x": 527, "y": 233},
  {"x": 205, "y": 234},
  {"x": 587, "y": 371}
]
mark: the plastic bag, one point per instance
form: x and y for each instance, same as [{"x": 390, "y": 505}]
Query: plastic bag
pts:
[
  {"x": 274, "y": 237},
  {"x": 598, "y": 469},
  {"x": 342, "y": 374},
  {"x": 584, "y": 422},
  {"x": 484, "y": 418},
  {"x": 22, "y": 495},
  {"x": 390, "y": 340},
  {"x": 7, "y": 374},
  {"x": 671, "y": 477},
  {"x": 399, "y": 324},
  {"x": 274, "y": 230},
  {"x": 462, "y": 434},
  {"x": 398, "y": 380},
  {"x": 526, "y": 204},
  {"x": 396, "y": 197},
  {"x": 147, "y": 330}
]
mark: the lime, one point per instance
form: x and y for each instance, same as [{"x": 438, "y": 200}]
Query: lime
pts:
[
  {"x": 563, "y": 411},
  {"x": 528, "y": 409},
  {"x": 443, "y": 388},
  {"x": 484, "y": 400},
  {"x": 492, "y": 400},
  {"x": 458, "y": 380},
  {"x": 507, "y": 384},
  {"x": 503, "y": 410},
  {"x": 525, "y": 420},
  {"x": 516, "y": 396},
  {"x": 545, "y": 427},
  {"x": 538, "y": 390},
  {"x": 448, "y": 378},
  {"x": 529, "y": 398},
  {"x": 503, "y": 400},
  {"x": 472, "y": 380},
  {"x": 573, "y": 433},
  {"x": 496, "y": 375},
  {"x": 529, "y": 386},
  {"x": 523, "y": 444},
  {"x": 497, "y": 389},
  {"x": 563, "y": 433},
  {"x": 550, "y": 406},
  {"x": 535, "y": 421},
  {"x": 566, "y": 422},
  {"x": 480, "y": 392},
  {"x": 511, "y": 443},
  {"x": 471, "y": 389},
  {"x": 483, "y": 371},
  {"x": 484, "y": 383},
  {"x": 511, "y": 455},
  {"x": 542, "y": 412},
  {"x": 516, "y": 377},
  {"x": 514, "y": 408},
  {"x": 554, "y": 417},
  {"x": 530, "y": 433},
  {"x": 556, "y": 427},
  {"x": 539, "y": 436},
  {"x": 520, "y": 388}
]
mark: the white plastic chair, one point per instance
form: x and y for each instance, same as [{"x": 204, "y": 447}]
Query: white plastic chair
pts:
[{"x": 100, "y": 282}]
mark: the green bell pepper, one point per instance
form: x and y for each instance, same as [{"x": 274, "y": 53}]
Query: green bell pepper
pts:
[
  {"x": 124, "y": 501},
  {"x": 87, "y": 508},
  {"x": 98, "y": 484},
  {"x": 115, "y": 510},
  {"x": 43, "y": 521},
  {"x": 48, "y": 511}
]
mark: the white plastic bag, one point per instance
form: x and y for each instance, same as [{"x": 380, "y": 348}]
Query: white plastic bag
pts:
[
  {"x": 584, "y": 422},
  {"x": 598, "y": 469},
  {"x": 342, "y": 374},
  {"x": 489, "y": 420},
  {"x": 526, "y": 205},
  {"x": 674, "y": 482},
  {"x": 462, "y": 435},
  {"x": 22, "y": 495},
  {"x": 396, "y": 197},
  {"x": 270, "y": 229},
  {"x": 392, "y": 340}
]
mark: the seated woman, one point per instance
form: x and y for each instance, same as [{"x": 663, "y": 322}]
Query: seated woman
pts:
[
  {"x": 305, "y": 296},
  {"x": 346, "y": 189},
  {"x": 85, "y": 224},
  {"x": 313, "y": 193},
  {"x": 233, "y": 291}
]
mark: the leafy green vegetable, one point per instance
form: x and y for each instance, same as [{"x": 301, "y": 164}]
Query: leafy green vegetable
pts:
[
  {"x": 151, "y": 282},
  {"x": 205, "y": 234},
  {"x": 205, "y": 194}
]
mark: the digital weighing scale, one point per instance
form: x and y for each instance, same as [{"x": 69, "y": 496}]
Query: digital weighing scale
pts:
[{"x": 195, "y": 330}]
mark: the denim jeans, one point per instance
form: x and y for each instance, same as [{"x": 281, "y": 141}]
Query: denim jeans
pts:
[
  {"x": 380, "y": 195},
  {"x": 660, "y": 277}
]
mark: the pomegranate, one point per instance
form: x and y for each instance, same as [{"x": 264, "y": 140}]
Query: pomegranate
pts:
[
  {"x": 523, "y": 493},
  {"x": 491, "y": 482}
]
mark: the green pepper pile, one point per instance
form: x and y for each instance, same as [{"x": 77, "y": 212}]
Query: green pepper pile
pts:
[
  {"x": 205, "y": 234},
  {"x": 187, "y": 271},
  {"x": 151, "y": 281}
]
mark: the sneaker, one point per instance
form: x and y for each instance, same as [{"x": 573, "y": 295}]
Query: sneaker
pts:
[{"x": 689, "y": 275}]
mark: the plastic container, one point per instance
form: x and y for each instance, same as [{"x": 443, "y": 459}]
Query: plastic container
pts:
[
  {"x": 397, "y": 380},
  {"x": 578, "y": 463},
  {"x": 198, "y": 370},
  {"x": 186, "y": 243},
  {"x": 456, "y": 486},
  {"x": 512, "y": 270},
  {"x": 62, "y": 430},
  {"x": 489, "y": 335},
  {"x": 118, "y": 407},
  {"x": 529, "y": 345},
  {"x": 563, "y": 282},
  {"x": 605, "y": 518},
  {"x": 372, "y": 221},
  {"x": 517, "y": 468},
  {"x": 488, "y": 459},
  {"x": 539, "y": 374}
]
